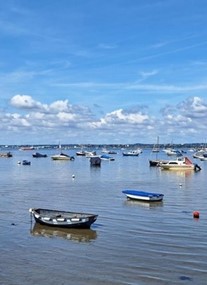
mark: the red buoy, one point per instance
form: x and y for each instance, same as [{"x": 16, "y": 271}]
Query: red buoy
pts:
[{"x": 196, "y": 214}]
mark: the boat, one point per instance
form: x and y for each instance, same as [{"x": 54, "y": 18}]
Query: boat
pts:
[
  {"x": 90, "y": 154},
  {"x": 7, "y": 154},
  {"x": 104, "y": 150},
  {"x": 81, "y": 153},
  {"x": 107, "y": 157},
  {"x": 62, "y": 219},
  {"x": 154, "y": 162},
  {"x": 156, "y": 147},
  {"x": 26, "y": 162},
  {"x": 200, "y": 154},
  {"x": 143, "y": 196},
  {"x": 157, "y": 162},
  {"x": 37, "y": 155},
  {"x": 112, "y": 152},
  {"x": 132, "y": 152},
  {"x": 183, "y": 163},
  {"x": 204, "y": 158},
  {"x": 62, "y": 156},
  {"x": 26, "y": 148},
  {"x": 95, "y": 161},
  {"x": 172, "y": 152}
]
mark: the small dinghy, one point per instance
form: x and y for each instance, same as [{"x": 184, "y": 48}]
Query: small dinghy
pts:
[
  {"x": 26, "y": 162},
  {"x": 63, "y": 219},
  {"x": 143, "y": 196}
]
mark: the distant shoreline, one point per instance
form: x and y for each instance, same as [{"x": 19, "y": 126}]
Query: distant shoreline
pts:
[{"x": 135, "y": 145}]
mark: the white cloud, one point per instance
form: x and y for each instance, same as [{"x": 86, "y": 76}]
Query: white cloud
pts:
[
  {"x": 24, "y": 102},
  {"x": 198, "y": 105},
  {"x": 121, "y": 116},
  {"x": 59, "y": 106},
  {"x": 66, "y": 117},
  {"x": 63, "y": 119}
]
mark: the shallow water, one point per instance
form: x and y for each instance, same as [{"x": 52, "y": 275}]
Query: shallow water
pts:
[{"x": 130, "y": 243}]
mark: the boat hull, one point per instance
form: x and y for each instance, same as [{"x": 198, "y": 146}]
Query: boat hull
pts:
[
  {"x": 63, "y": 219},
  {"x": 170, "y": 167},
  {"x": 130, "y": 154},
  {"x": 143, "y": 196},
  {"x": 157, "y": 162},
  {"x": 26, "y": 162},
  {"x": 39, "y": 155},
  {"x": 8, "y": 154},
  {"x": 180, "y": 164},
  {"x": 95, "y": 161},
  {"x": 62, "y": 156}
]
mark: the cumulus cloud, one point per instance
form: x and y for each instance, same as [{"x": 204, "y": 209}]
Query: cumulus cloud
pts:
[
  {"x": 60, "y": 106},
  {"x": 188, "y": 116},
  {"x": 25, "y": 102},
  {"x": 194, "y": 106},
  {"x": 120, "y": 116}
]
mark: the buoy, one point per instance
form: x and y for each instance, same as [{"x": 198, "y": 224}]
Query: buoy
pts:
[
  {"x": 196, "y": 214},
  {"x": 73, "y": 176}
]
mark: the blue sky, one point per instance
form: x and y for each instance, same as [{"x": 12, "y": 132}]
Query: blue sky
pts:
[{"x": 89, "y": 71}]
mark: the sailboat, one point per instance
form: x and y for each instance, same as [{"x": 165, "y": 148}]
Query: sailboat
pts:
[
  {"x": 61, "y": 155},
  {"x": 156, "y": 147}
]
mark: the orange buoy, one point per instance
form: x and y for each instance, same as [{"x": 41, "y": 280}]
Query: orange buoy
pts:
[{"x": 196, "y": 214}]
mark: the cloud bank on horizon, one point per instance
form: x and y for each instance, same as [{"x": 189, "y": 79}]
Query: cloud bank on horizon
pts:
[
  {"x": 79, "y": 124},
  {"x": 103, "y": 73}
]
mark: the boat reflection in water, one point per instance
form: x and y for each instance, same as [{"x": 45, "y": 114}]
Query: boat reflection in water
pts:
[
  {"x": 135, "y": 203},
  {"x": 77, "y": 235},
  {"x": 179, "y": 173}
]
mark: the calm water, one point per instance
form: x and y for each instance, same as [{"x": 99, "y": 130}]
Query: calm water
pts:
[{"x": 130, "y": 243}]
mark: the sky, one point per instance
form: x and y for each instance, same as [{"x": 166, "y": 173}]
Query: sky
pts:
[{"x": 103, "y": 72}]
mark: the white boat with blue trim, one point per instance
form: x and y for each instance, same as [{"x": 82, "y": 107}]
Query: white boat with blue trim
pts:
[{"x": 143, "y": 196}]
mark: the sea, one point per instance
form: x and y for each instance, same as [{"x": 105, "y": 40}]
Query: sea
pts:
[{"x": 133, "y": 243}]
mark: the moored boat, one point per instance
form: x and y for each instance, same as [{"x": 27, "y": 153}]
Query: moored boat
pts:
[
  {"x": 7, "y": 154},
  {"x": 156, "y": 147},
  {"x": 37, "y": 155},
  {"x": 143, "y": 196},
  {"x": 132, "y": 152},
  {"x": 90, "y": 154},
  {"x": 62, "y": 156},
  {"x": 26, "y": 148},
  {"x": 183, "y": 163},
  {"x": 63, "y": 219},
  {"x": 95, "y": 161},
  {"x": 172, "y": 152},
  {"x": 156, "y": 162},
  {"x": 107, "y": 157},
  {"x": 26, "y": 162},
  {"x": 104, "y": 150},
  {"x": 81, "y": 153}
]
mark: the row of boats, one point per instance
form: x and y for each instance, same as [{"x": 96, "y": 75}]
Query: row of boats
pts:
[
  {"x": 180, "y": 163},
  {"x": 79, "y": 220}
]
